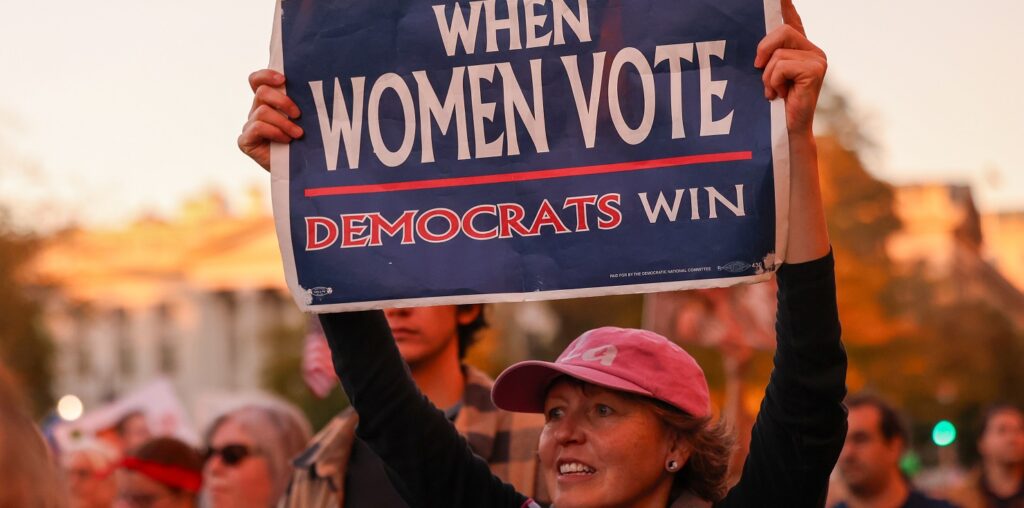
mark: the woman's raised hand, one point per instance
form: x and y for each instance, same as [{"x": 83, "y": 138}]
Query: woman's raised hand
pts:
[
  {"x": 794, "y": 69},
  {"x": 270, "y": 118}
]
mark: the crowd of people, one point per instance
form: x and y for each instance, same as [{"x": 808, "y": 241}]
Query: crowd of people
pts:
[
  {"x": 245, "y": 460},
  {"x": 622, "y": 417},
  {"x": 263, "y": 455}
]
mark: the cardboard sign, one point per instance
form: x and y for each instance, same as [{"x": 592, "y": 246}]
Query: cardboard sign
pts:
[
  {"x": 508, "y": 150},
  {"x": 158, "y": 404}
]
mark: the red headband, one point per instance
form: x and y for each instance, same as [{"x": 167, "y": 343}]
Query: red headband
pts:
[{"x": 171, "y": 476}]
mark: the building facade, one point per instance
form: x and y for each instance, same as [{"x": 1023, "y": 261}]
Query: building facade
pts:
[
  {"x": 1004, "y": 244},
  {"x": 190, "y": 298},
  {"x": 969, "y": 258}
]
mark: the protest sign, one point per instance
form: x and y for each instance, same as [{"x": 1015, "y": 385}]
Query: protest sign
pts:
[
  {"x": 505, "y": 150},
  {"x": 157, "y": 402}
]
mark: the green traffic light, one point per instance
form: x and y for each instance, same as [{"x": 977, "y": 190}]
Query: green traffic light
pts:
[{"x": 944, "y": 433}]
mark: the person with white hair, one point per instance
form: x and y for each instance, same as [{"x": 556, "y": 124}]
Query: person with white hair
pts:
[{"x": 249, "y": 452}]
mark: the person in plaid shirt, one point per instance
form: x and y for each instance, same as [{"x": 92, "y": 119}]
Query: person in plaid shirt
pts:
[{"x": 338, "y": 470}]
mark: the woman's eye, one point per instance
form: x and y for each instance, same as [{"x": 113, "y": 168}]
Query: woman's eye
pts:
[
  {"x": 555, "y": 413},
  {"x": 604, "y": 410}
]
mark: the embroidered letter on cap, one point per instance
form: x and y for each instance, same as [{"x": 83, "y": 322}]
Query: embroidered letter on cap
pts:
[{"x": 603, "y": 354}]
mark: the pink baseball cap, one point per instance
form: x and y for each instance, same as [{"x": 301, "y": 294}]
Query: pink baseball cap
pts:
[{"x": 634, "y": 361}]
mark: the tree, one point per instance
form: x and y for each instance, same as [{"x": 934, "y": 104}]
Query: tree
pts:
[
  {"x": 861, "y": 218},
  {"x": 25, "y": 348},
  {"x": 936, "y": 357}
]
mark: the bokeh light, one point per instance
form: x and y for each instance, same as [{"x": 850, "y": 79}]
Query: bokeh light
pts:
[
  {"x": 944, "y": 433},
  {"x": 70, "y": 408}
]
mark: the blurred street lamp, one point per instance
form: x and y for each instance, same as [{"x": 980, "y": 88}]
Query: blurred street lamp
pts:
[{"x": 70, "y": 408}]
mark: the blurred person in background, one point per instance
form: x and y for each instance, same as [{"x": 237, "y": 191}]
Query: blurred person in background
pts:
[
  {"x": 737, "y": 321},
  {"x": 161, "y": 473},
  {"x": 869, "y": 465},
  {"x": 28, "y": 476},
  {"x": 249, "y": 452},
  {"x": 735, "y": 346},
  {"x": 133, "y": 430},
  {"x": 128, "y": 432},
  {"x": 88, "y": 468},
  {"x": 338, "y": 469},
  {"x": 998, "y": 481}
]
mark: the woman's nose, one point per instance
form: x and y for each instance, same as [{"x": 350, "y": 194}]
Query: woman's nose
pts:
[
  {"x": 568, "y": 431},
  {"x": 213, "y": 466}
]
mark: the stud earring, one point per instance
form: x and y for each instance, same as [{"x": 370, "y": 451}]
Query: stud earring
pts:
[{"x": 672, "y": 466}]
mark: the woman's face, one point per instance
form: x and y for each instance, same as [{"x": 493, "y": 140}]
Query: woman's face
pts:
[
  {"x": 599, "y": 448},
  {"x": 247, "y": 483}
]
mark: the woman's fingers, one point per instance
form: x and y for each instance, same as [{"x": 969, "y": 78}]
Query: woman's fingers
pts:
[
  {"x": 789, "y": 76},
  {"x": 266, "y": 114},
  {"x": 791, "y": 17},
  {"x": 270, "y": 118},
  {"x": 255, "y": 141},
  {"x": 266, "y": 125},
  {"x": 780, "y": 54},
  {"x": 257, "y": 132},
  {"x": 793, "y": 68},
  {"x": 266, "y": 94},
  {"x": 783, "y": 37},
  {"x": 266, "y": 86},
  {"x": 799, "y": 81},
  {"x": 265, "y": 77}
]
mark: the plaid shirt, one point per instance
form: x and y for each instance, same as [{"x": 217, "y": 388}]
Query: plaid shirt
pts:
[{"x": 507, "y": 441}]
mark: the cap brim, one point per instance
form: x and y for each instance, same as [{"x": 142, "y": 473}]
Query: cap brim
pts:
[{"x": 523, "y": 386}]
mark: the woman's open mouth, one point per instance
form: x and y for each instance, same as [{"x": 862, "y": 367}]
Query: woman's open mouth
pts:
[{"x": 575, "y": 468}]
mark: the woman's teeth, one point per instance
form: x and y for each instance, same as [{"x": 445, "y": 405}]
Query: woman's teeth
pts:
[{"x": 575, "y": 468}]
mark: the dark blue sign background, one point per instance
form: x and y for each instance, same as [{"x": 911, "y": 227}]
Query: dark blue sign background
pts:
[{"x": 328, "y": 39}]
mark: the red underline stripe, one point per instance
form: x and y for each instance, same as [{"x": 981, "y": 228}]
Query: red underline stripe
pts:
[{"x": 523, "y": 176}]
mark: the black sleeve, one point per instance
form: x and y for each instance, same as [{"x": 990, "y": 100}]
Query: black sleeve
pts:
[
  {"x": 414, "y": 439},
  {"x": 801, "y": 426}
]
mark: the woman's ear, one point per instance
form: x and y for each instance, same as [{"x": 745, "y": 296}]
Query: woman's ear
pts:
[{"x": 678, "y": 454}]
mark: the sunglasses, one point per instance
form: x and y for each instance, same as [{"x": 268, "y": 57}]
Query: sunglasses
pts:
[{"x": 230, "y": 455}]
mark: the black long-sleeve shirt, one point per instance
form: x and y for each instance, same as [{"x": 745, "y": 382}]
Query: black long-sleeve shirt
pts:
[{"x": 795, "y": 440}]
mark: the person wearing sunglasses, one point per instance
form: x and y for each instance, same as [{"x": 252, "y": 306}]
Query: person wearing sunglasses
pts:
[
  {"x": 161, "y": 473},
  {"x": 249, "y": 452},
  {"x": 231, "y": 455}
]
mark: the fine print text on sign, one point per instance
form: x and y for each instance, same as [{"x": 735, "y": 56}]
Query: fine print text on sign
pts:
[{"x": 505, "y": 150}]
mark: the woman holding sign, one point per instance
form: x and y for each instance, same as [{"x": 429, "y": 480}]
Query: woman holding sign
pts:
[{"x": 627, "y": 411}]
